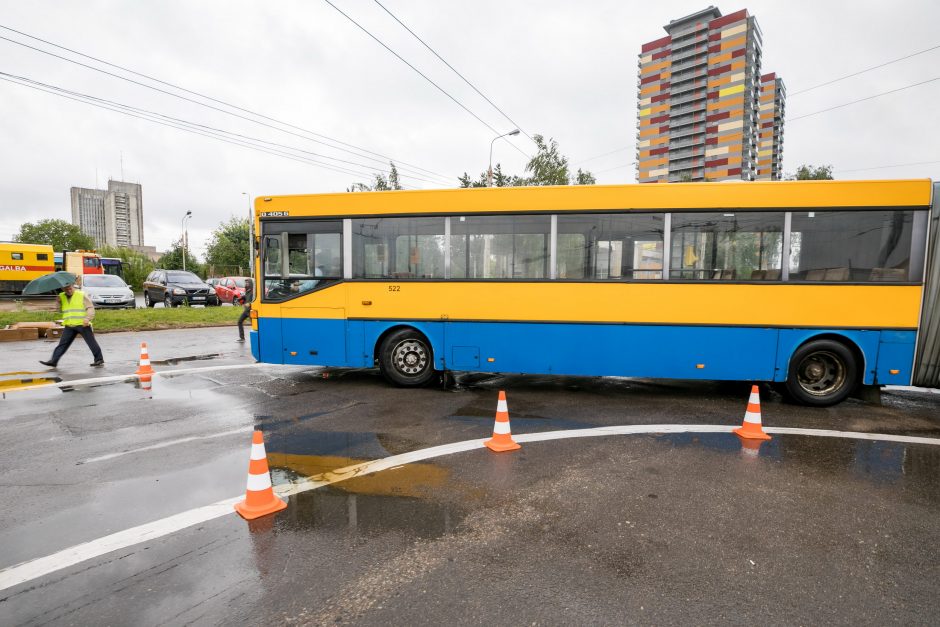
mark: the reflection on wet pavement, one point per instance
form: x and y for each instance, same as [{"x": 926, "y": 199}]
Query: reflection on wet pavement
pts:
[
  {"x": 370, "y": 514},
  {"x": 521, "y": 421},
  {"x": 10, "y": 385},
  {"x": 314, "y": 454},
  {"x": 872, "y": 460},
  {"x": 172, "y": 361}
]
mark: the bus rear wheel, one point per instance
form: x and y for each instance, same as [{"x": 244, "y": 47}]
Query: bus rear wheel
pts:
[
  {"x": 822, "y": 373},
  {"x": 406, "y": 358}
]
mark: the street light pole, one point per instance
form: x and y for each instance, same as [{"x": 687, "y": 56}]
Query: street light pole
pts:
[
  {"x": 188, "y": 215},
  {"x": 489, "y": 172},
  {"x": 251, "y": 236}
]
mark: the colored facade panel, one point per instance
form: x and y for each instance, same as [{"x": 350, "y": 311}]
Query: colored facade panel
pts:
[
  {"x": 770, "y": 132},
  {"x": 703, "y": 85}
]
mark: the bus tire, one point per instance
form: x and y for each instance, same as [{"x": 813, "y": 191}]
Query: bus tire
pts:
[
  {"x": 821, "y": 373},
  {"x": 406, "y": 358}
]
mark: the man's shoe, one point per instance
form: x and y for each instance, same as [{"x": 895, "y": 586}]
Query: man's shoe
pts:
[
  {"x": 47, "y": 363},
  {"x": 241, "y": 339},
  {"x": 98, "y": 363}
]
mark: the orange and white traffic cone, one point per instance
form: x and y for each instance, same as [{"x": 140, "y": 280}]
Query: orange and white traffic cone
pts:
[
  {"x": 259, "y": 495},
  {"x": 751, "y": 429},
  {"x": 502, "y": 438},
  {"x": 144, "y": 367}
]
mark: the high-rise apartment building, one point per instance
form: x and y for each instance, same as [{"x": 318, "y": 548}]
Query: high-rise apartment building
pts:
[
  {"x": 773, "y": 97},
  {"x": 702, "y": 103},
  {"x": 113, "y": 217}
]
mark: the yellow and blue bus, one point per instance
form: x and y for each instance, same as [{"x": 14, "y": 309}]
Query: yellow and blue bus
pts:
[{"x": 818, "y": 286}]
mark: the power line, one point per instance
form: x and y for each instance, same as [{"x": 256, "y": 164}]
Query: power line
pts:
[
  {"x": 874, "y": 67},
  {"x": 5, "y": 77},
  {"x": 472, "y": 86},
  {"x": 208, "y": 106},
  {"x": 420, "y": 73},
  {"x": 885, "y": 167},
  {"x": 602, "y": 155},
  {"x": 616, "y": 167},
  {"x": 195, "y": 125},
  {"x": 800, "y": 117},
  {"x": 241, "y": 140}
]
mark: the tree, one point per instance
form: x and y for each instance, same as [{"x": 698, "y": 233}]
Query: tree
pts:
[
  {"x": 500, "y": 179},
  {"x": 173, "y": 259},
  {"x": 393, "y": 182},
  {"x": 380, "y": 183},
  {"x": 547, "y": 167},
  {"x": 136, "y": 264},
  {"x": 59, "y": 234},
  {"x": 229, "y": 247},
  {"x": 811, "y": 173},
  {"x": 584, "y": 178}
]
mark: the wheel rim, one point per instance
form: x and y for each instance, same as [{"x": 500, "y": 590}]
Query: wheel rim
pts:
[
  {"x": 821, "y": 373},
  {"x": 410, "y": 357}
]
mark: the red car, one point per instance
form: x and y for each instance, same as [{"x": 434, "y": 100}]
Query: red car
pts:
[{"x": 231, "y": 288}]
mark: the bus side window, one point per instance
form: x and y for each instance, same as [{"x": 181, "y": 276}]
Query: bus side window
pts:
[
  {"x": 727, "y": 246},
  {"x": 851, "y": 246}
]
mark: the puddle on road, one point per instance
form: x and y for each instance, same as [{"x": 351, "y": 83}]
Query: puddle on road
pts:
[
  {"x": 368, "y": 514},
  {"x": 10, "y": 385},
  {"x": 311, "y": 454},
  {"x": 477, "y": 413},
  {"x": 176, "y": 360},
  {"x": 916, "y": 466}
]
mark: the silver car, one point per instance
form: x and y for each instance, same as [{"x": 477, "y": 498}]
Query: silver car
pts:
[{"x": 108, "y": 290}]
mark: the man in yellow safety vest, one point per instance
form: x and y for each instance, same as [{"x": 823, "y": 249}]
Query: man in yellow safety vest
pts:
[{"x": 77, "y": 314}]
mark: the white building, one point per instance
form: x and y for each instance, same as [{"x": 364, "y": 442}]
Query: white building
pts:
[{"x": 113, "y": 217}]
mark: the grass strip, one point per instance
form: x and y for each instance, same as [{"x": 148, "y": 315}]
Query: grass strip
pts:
[{"x": 114, "y": 320}]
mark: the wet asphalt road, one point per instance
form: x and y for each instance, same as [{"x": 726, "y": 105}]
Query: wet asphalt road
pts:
[{"x": 658, "y": 529}]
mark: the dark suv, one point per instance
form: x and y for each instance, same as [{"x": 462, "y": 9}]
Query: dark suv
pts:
[{"x": 175, "y": 287}]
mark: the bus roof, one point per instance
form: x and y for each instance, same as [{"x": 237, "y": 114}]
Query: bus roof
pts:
[
  {"x": 683, "y": 196},
  {"x": 30, "y": 247}
]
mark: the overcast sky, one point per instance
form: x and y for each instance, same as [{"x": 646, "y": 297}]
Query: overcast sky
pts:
[{"x": 565, "y": 70}]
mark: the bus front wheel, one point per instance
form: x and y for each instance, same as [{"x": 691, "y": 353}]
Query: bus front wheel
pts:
[
  {"x": 822, "y": 373},
  {"x": 406, "y": 358}
]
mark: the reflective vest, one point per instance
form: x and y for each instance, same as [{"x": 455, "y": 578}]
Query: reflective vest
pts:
[{"x": 73, "y": 309}]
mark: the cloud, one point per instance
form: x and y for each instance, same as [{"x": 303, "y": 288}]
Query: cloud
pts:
[{"x": 562, "y": 69}]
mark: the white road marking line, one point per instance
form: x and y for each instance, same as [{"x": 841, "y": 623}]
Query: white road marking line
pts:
[
  {"x": 39, "y": 567},
  {"x": 126, "y": 377},
  {"x": 165, "y": 444},
  {"x": 36, "y": 568}
]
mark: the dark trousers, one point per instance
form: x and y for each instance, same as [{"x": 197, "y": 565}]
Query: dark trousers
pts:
[
  {"x": 246, "y": 312},
  {"x": 68, "y": 336}
]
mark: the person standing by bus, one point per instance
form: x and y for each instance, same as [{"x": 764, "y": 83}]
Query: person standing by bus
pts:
[
  {"x": 77, "y": 314},
  {"x": 245, "y": 300}
]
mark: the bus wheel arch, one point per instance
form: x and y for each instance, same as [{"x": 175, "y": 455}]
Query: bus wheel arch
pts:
[
  {"x": 405, "y": 356},
  {"x": 824, "y": 370}
]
